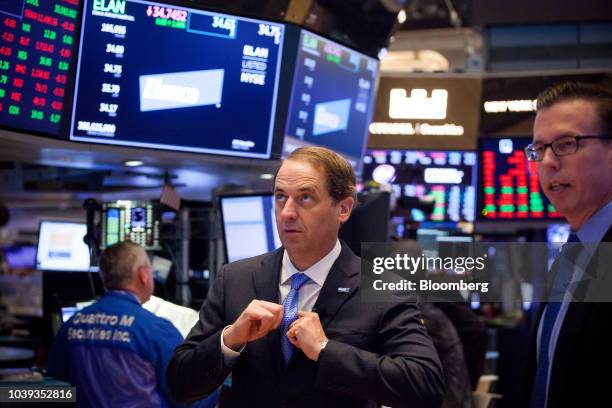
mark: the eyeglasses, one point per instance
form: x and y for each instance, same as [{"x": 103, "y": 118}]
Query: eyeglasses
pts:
[{"x": 563, "y": 146}]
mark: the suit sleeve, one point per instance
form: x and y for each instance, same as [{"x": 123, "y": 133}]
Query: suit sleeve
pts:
[
  {"x": 406, "y": 372},
  {"x": 197, "y": 367},
  {"x": 473, "y": 334}
]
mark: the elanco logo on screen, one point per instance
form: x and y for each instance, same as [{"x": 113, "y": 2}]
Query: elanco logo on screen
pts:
[
  {"x": 417, "y": 105},
  {"x": 181, "y": 89}
]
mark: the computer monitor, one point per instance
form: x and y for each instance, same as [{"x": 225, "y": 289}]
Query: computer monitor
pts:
[
  {"x": 164, "y": 76},
  {"x": 134, "y": 221},
  {"x": 369, "y": 221},
  {"x": 36, "y": 49},
  {"x": 448, "y": 178},
  {"x": 332, "y": 97},
  {"x": 61, "y": 247},
  {"x": 510, "y": 187},
  {"x": 20, "y": 256},
  {"x": 249, "y": 226},
  {"x": 69, "y": 311}
]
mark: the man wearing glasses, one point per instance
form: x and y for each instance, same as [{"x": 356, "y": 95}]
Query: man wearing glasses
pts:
[{"x": 572, "y": 147}]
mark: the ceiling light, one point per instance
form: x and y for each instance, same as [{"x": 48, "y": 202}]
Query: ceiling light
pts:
[
  {"x": 401, "y": 16},
  {"x": 266, "y": 176},
  {"x": 133, "y": 163}
]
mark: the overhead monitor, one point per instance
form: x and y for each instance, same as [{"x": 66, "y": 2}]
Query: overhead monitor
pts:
[
  {"x": 447, "y": 178},
  {"x": 249, "y": 226},
  {"x": 134, "y": 221},
  {"x": 36, "y": 51},
  {"x": 170, "y": 77},
  {"x": 61, "y": 247},
  {"x": 332, "y": 97},
  {"x": 510, "y": 187}
]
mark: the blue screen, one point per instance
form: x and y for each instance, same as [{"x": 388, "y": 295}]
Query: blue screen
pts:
[
  {"x": 169, "y": 77},
  {"x": 332, "y": 96},
  {"x": 36, "y": 46}
]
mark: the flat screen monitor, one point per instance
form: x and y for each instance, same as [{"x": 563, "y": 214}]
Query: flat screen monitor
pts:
[
  {"x": 249, "y": 226},
  {"x": 36, "y": 50},
  {"x": 510, "y": 187},
  {"x": 448, "y": 178},
  {"x": 170, "y": 77},
  {"x": 61, "y": 247},
  {"x": 332, "y": 97},
  {"x": 69, "y": 311},
  {"x": 368, "y": 221},
  {"x": 20, "y": 256},
  {"x": 134, "y": 221}
]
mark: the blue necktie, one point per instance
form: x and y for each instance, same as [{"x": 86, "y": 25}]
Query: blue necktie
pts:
[
  {"x": 290, "y": 313},
  {"x": 564, "y": 273}
]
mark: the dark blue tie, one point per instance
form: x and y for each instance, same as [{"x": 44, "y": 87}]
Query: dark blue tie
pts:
[
  {"x": 290, "y": 313},
  {"x": 564, "y": 273}
]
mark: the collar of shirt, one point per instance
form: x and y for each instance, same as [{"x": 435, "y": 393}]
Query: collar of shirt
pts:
[
  {"x": 317, "y": 272},
  {"x": 125, "y": 294},
  {"x": 596, "y": 227}
]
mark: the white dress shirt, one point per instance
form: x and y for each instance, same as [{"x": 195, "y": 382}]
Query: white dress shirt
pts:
[{"x": 308, "y": 293}]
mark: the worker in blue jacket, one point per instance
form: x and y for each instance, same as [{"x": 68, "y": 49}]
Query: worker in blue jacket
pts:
[{"x": 115, "y": 352}]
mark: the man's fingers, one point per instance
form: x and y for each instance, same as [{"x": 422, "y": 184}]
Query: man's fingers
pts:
[
  {"x": 272, "y": 307},
  {"x": 265, "y": 319},
  {"x": 293, "y": 340},
  {"x": 292, "y": 336},
  {"x": 278, "y": 320},
  {"x": 256, "y": 312}
]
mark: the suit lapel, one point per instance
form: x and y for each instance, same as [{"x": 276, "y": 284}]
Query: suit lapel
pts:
[
  {"x": 266, "y": 278},
  {"x": 266, "y": 281},
  {"x": 340, "y": 285},
  {"x": 569, "y": 333}
]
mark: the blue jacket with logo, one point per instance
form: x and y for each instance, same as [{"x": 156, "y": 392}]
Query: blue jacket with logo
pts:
[{"x": 115, "y": 353}]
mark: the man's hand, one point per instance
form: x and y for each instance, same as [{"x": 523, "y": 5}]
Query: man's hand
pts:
[
  {"x": 306, "y": 333},
  {"x": 258, "y": 319}
]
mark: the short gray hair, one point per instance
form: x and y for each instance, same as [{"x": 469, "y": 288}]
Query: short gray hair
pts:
[{"x": 117, "y": 264}]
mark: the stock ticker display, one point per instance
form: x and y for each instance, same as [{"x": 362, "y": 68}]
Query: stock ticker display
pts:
[
  {"x": 510, "y": 188},
  {"x": 170, "y": 77},
  {"x": 446, "y": 177},
  {"x": 332, "y": 97},
  {"x": 36, "y": 47}
]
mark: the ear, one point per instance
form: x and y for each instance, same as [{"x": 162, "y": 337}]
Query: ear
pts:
[
  {"x": 142, "y": 274},
  {"x": 345, "y": 207}
]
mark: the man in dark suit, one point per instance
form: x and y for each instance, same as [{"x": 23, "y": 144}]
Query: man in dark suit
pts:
[
  {"x": 571, "y": 348},
  {"x": 289, "y": 325}
]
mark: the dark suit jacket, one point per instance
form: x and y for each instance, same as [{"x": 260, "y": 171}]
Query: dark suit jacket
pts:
[
  {"x": 582, "y": 352},
  {"x": 377, "y": 352}
]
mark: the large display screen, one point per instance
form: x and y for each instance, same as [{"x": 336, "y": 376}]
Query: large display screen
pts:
[
  {"x": 448, "y": 178},
  {"x": 510, "y": 188},
  {"x": 332, "y": 97},
  {"x": 36, "y": 46},
  {"x": 61, "y": 247},
  {"x": 170, "y": 77},
  {"x": 249, "y": 226}
]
